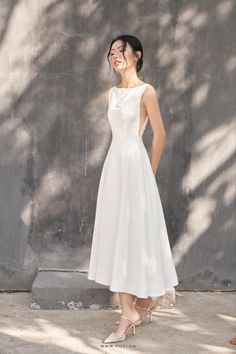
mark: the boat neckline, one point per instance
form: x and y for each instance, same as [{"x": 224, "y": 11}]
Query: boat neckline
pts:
[{"x": 127, "y": 88}]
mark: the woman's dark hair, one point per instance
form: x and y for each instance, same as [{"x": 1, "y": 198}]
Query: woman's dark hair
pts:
[{"x": 135, "y": 44}]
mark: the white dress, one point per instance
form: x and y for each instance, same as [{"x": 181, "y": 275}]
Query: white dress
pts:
[{"x": 130, "y": 246}]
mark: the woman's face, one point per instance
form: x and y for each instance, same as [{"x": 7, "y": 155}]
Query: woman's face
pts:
[{"x": 116, "y": 56}]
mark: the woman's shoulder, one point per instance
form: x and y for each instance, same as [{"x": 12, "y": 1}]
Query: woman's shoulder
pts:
[
  {"x": 150, "y": 94},
  {"x": 149, "y": 90}
]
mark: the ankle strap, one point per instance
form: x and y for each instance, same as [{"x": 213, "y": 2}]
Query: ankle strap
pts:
[
  {"x": 146, "y": 308},
  {"x": 127, "y": 319},
  {"x": 141, "y": 308}
]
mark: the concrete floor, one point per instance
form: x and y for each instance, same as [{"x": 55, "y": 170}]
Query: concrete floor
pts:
[{"x": 200, "y": 322}]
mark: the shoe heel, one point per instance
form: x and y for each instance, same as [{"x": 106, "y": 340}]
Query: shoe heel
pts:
[{"x": 150, "y": 311}]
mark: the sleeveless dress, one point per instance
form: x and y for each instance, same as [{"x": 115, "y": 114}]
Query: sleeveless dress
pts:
[{"x": 130, "y": 247}]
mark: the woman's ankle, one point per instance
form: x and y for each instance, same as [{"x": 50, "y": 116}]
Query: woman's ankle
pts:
[
  {"x": 128, "y": 311},
  {"x": 143, "y": 301}
]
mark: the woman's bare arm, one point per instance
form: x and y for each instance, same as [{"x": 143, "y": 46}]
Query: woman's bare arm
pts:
[{"x": 159, "y": 135}]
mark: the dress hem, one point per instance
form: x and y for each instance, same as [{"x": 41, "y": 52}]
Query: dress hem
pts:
[{"x": 151, "y": 293}]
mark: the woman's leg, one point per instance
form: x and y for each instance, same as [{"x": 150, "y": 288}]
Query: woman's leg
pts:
[
  {"x": 144, "y": 303},
  {"x": 128, "y": 310}
]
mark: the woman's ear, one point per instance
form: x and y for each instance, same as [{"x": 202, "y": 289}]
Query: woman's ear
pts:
[{"x": 138, "y": 54}]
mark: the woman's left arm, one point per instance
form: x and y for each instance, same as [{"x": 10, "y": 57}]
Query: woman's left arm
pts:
[{"x": 159, "y": 135}]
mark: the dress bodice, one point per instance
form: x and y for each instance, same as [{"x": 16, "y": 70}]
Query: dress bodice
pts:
[{"x": 124, "y": 111}]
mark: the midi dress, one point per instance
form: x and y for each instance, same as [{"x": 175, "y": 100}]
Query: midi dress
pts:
[{"x": 130, "y": 249}]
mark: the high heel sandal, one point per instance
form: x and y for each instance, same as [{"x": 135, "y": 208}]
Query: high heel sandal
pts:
[
  {"x": 119, "y": 337},
  {"x": 148, "y": 312}
]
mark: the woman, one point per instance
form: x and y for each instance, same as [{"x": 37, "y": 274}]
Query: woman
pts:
[{"x": 130, "y": 249}]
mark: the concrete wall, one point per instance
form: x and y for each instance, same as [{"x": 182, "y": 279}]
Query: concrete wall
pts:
[{"x": 54, "y": 132}]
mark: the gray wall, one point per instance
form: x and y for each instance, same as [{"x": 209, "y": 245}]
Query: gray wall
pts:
[{"x": 54, "y": 131}]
